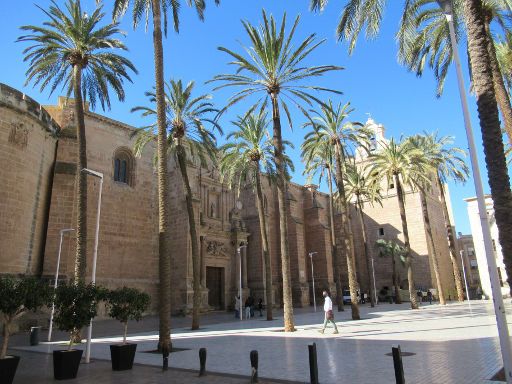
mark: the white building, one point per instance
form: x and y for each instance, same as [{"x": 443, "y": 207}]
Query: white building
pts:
[{"x": 476, "y": 230}]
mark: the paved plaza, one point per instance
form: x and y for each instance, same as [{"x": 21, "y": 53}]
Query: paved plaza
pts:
[{"x": 452, "y": 344}]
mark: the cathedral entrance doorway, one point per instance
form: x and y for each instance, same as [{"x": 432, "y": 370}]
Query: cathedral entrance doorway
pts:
[{"x": 215, "y": 285}]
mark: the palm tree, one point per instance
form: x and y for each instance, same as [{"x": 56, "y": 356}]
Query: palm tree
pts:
[
  {"x": 362, "y": 186},
  {"x": 504, "y": 56},
  {"x": 159, "y": 9},
  {"x": 188, "y": 138},
  {"x": 276, "y": 69},
  {"x": 360, "y": 13},
  {"x": 393, "y": 250},
  {"x": 428, "y": 151},
  {"x": 75, "y": 51},
  {"x": 424, "y": 32},
  {"x": 398, "y": 164},
  {"x": 319, "y": 159},
  {"x": 248, "y": 150},
  {"x": 332, "y": 129}
]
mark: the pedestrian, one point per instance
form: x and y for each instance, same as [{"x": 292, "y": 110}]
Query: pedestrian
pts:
[
  {"x": 237, "y": 307},
  {"x": 260, "y": 306},
  {"x": 247, "y": 308},
  {"x": 429, "y": 296},
  {"x": 329, "y": 315},
  {"x": 251, "y": 305}
]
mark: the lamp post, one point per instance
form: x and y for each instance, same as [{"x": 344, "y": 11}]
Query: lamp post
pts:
[
  {"x": 62, "y": 232},
  {"x": 313, "y": 277},
  {"x": 465, "y": 279},
  {"x": 240, "y": 279},
  {"x": 499, "y": 308},
  {"x": 95, "y": 255}
]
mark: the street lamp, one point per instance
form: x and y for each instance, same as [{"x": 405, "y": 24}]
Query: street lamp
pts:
[
  {"x": 240, "y": 280},
  {"x": 62, "y": 232},
  {"x": 95, "y": 255},
  {"x": 465, "y": 279},
  {"x": 499, "y": 308},
  {"x": 313, "y": 277}
]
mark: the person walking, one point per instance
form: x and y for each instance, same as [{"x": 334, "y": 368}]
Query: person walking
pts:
[
  {"x": 260, "y": 306},
  {"x": 429, "y": 296},
  {"x": 329, "y": 315},
  {"x": 237, "y": 307}
]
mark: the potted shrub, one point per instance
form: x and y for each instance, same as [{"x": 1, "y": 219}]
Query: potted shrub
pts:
[
  {"x": 75, "y": 306},
  {"x": 125, "y": 304},
  {"x": 18, "y": 296}
]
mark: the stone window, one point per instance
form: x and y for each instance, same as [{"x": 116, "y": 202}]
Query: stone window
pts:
[
  {"x": 381, "y": 231},
  {"x": 123, "y": 166}
]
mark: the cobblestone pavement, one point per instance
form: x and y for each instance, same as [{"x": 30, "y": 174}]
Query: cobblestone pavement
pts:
[{"x": 452, "y": 344}]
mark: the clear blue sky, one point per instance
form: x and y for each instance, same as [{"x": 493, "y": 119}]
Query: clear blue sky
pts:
[{"x": 372, "y": 81}]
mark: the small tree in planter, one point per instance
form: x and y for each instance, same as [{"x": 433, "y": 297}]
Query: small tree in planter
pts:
[
  {"x": 75, "y": 306},
  {"x": 125, "y": 304},
  {"x": 17, "y": 296}
]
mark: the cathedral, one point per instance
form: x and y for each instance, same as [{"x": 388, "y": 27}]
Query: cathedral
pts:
[{"x": 38, "y": 150}]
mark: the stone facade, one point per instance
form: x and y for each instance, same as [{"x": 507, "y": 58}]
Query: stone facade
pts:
[{"x": 228, "y": 224}]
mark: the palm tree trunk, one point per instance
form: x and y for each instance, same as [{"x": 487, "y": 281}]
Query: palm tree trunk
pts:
[
  {"x": 335, "y": 256},
  {"x": 196, "y": 261},
  {"x": 81, "y": 179},
  {"x": 499, "y": 86},
  {"x": 433, "y": 253},
  {"x": 164, "y": 260},
  {"x": 407, "y": 244},
  {"x": 264, "y": 242},
  {"x": 348, "y": 248},
  {"x": 289, "y": 325},
  {"x": 398, "y": 299},
  {"x": 451, "y": 243},
  {"x": 369, "y": 258},
  {"x": 490, "y": 125}
]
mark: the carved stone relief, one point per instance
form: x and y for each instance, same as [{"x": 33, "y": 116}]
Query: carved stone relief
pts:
[
  {"x": 216, "y": 248},
  {"x": 18, "y": 135}
]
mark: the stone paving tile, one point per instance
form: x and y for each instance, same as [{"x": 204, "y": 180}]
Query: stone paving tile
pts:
[{"x": 450, "y": 344}]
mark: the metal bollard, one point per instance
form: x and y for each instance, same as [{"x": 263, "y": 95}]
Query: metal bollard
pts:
[
  {"x": 399, "y": 367},
  {"x": 34, "y": 335},
  {"x": 202, "y": 361},
  {"x": 254, "y": 366},
  {"x": 313, "y": 365}
]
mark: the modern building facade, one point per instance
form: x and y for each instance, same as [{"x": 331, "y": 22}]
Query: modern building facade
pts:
[
  {"x": 37, "y": 199},
  {"x": 478, "y": 241}
]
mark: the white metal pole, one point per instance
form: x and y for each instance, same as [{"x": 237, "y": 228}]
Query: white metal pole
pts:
[
  {"x": 50, "y": 328},
  {"x": 313, "y": 278},
  {"x": 94, "y": 260},
  {"x": 374, "y": 285},
  {"x": 499, "y": 308},
  {"x": 240, "y": 280},
  {"x": 465, "y": 280}
]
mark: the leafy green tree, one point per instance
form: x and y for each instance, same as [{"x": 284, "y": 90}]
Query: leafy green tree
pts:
[
  {"x": 319, "y": 160},
  {"x": 159, "y": 9},
  {"x": 187, "y": 140},
  {"x": 362, "y": 186},
  {"x": 19, "y": 296},
  {"x": 393, "y": 250},
  {"x": 402, "y": 164},
  {"x": 424, "y": 37},
  {"x": 127, "y": 304},
  {"x": 249, "y": 150},
  {"x": 331, "y": 128},
  {"x": 367, "y": 14},
  {"x": 75, "y": 51},
  {"x": 272, "y": 66}
]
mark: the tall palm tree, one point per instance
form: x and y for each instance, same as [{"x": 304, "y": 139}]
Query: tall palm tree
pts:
[
  {"x": 449, "y": 164},
  {"x": 398, "y": 164},
  {"x": 187, "y": 139},
  {"x": 504, "y": 55},
  {"x": 158, "y": 9},
  {"x": 272, "y": 66},
  {"x": 358, "y": 14},
  {"x": 427, "y": 151},
  {"x": 393, "y": 250},
  {"x": 75, "y": 50},
  {"x": 330, "y": 128},
  {"x": 248, "y": 150},
  {"x": 319, "y": 159},
  {"x": 424, "y": 32},
  {"x": 361, "y": 185}
]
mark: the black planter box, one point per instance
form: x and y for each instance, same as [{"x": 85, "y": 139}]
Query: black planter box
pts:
[
  {"x": 122, "y": 356},
  {"x": 65, "y": 363},
  {"x": 8, "y": 367}
]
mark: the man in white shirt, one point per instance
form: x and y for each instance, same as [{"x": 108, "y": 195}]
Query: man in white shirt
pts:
[{"x": 329, "y": 315}]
